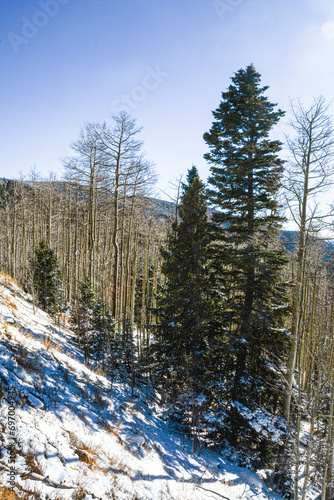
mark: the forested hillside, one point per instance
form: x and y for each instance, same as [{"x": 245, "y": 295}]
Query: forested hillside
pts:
[
  {"x": 76, "y": 435},
  {"x": 206, "y": 301}
]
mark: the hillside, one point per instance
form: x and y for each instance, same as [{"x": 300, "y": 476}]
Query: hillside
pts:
[{"x": 76, "y": 437}]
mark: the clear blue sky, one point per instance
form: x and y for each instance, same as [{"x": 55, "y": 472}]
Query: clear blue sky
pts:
[{"x": 64, "y": 62}]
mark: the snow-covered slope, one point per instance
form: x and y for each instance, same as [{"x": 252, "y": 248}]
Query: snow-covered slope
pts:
[{"x": 67, "y": 434}]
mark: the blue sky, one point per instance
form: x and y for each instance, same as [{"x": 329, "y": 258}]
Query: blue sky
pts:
[{"x": 66, "y": 62}]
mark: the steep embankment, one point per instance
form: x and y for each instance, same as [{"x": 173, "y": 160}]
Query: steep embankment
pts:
[{"x": 67, "y": 434}]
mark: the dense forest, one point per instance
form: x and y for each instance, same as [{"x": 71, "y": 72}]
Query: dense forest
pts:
[{"x": 205, "y": 299}]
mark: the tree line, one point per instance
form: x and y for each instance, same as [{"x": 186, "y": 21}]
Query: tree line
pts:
[
  {"x": 204, "y": 301},
  {"x": 98, "y": 227}
]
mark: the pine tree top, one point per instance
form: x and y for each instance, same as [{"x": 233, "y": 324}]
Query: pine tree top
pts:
[
  {"x": 245, "y": 166},
  {"x": 244, "y": 115}
]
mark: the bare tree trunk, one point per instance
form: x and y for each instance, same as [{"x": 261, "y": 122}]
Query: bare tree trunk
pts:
[
  {"x": 312, "y": 152},
  {"x": 327, "y": 482}
]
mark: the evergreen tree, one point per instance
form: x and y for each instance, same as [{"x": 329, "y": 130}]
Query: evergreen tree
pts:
[
  {"x": 186, "y": 304},
  {"x": 102, "y": 340},
  {"x": 46, "y": 278},
  {"x": 82, "y": 316},
  {"x": 244, "y": 181},
  {"x": 92, "y": 321}
]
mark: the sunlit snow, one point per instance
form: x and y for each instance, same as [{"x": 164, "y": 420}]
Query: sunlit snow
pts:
[{"x": 75, "y": 434}]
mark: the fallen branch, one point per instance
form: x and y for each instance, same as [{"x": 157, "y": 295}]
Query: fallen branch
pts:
[
  {"x": 211, "y": 491},
  {"x": 37, "y": 477}
]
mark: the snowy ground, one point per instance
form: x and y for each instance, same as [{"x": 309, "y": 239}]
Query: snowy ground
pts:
[{"x": 75, "y": 437}]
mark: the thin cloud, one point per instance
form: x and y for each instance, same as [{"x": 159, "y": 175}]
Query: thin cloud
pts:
[{"x": 327, "y": 30}]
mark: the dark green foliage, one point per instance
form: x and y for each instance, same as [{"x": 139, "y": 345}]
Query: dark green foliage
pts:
[
  {"x": 102, "y": 340},
  {"x": 82, "y": 315},
  {"x": 244, "y": 181},
  {"x": 93, "y": 323},
  {"x": 46, "y": 278},
  {"x": 186, "y": 305}
]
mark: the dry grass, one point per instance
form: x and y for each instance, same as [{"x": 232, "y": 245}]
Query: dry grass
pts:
[
  {"x": 25, "y": 332},
  {"x": 10, "y": 304},
  {"x": 79, "y": 494},
  {"x": 26, "y": 494},
  {"x": 111, "y": 430},
  {"x": 6, "y": 494},
  {"x": 85, "y": 453},
  {"x": 8, "y": 323},
  {"x": 47, "y": 344},
  {"x": 50, "y": 344},
  {"x": 114, "y": 431},
  {"x": 89, "y": 458},
  {"x": 32, "y": 462},
  {"x": 6, "y": 279},
  {"x": 119, "y": 466},
  {"x": 5, "y": 331},
  {"x": 99, "y": 372}
]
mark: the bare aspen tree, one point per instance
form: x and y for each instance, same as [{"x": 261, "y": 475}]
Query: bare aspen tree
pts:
[
  {"x": 24, "y": 228},
  {"x": 5, "y": 202},
  {"x": 308, "y": 175},
  {"x": 87, "y": 167},
  {"x": 68, "y": 211},
  {"x": 120, "y": 146},
  {"x": 314, "y": 372},
  {"x": 50, "y": 192},
  {"x": 140, "y": 180},
  {"x": 96, "y": 219},
  {"x": 34, "y": 179},
  {"x": 327, "y": 482},
  {"x": 134, "y": 268}
]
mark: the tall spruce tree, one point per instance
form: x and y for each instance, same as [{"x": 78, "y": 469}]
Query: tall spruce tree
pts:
[
  {"x": 46, "y": 278},
  {"x": 186, "y": 303},
  {"x": 245, "y": 178}
]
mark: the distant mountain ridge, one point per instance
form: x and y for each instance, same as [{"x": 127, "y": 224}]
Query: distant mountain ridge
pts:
[{"x": 164, "y": 209}]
